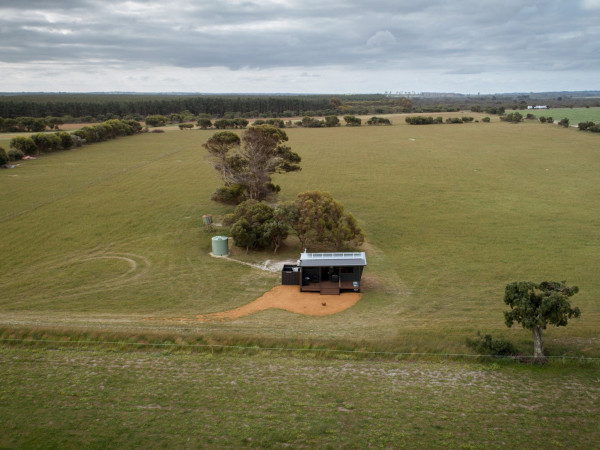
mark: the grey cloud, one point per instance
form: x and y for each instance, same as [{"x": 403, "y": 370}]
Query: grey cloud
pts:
[{"x": 488, "y": 36}]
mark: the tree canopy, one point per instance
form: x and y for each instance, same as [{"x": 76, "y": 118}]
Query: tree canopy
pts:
[
  {"x": 255, "y": 224},
  {"x": 536, "y": 305},
  {"x": 318, "y": 219},
  {"x": 251, "y": 161}
]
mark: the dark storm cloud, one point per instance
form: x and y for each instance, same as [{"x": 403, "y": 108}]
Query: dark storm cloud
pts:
[{"x": 465, "y": 37}]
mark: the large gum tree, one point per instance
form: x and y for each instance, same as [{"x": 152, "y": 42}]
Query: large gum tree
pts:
[{"x": 535, "y": 306}]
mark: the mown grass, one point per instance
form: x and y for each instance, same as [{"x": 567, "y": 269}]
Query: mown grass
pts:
[
  {"x": 575, "y": 115},
  {"x": 98, "y": 399},
  {"x": 109, "y": 236}
]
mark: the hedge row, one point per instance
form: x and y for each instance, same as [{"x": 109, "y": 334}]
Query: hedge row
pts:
[{"x": 50, "y": 142}]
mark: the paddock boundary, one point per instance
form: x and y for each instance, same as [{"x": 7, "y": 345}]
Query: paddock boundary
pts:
[{"x": 212, "y": 347}]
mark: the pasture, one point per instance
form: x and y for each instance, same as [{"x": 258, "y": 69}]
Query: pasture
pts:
[
  {"x": 109, "y": 236},
  {"x": 575, "y": 115},
  {"x": 66, "y": 398}
]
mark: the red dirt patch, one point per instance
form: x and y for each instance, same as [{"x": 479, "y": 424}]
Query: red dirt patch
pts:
[{"x": 289, "y": 298}]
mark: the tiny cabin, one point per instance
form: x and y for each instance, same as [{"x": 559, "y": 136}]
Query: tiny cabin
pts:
[{"x": 326, "y": 273}]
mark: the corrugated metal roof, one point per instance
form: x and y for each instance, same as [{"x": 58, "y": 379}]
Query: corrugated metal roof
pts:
[{"x": 337, "y": 259}]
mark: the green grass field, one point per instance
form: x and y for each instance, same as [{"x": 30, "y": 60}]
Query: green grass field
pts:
[
  {"x": 109, "y": 236},
  {"x": 105, "y": 243},
  {"x": 575, "y": 115},
  {"x": 67, "y": 398}
]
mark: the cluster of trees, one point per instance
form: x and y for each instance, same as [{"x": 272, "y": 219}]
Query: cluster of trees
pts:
[
  {"x": 315, "y": 217},
  {"x": 378, "y": 121},
  {"x": 223, "y": 124},
  {"x": 156, "y": 120},
  {"x": 246, "y": 165},
  {"x": 589, "y": 126},
  {"x": 43, "y": 143},
  {"x": 489, "y": 109},
  {"x": 311, "y": 122},
  {"x": 546, "y": 119},
  {"x": 29, "y": 124},
  {"x": 513, "y": 117},
  {"x": 423, "y": 120},
  {"x": 352, "y": 121},
  {"x": 463, "y": 119},
  {"x": 122, "y": 105},
  {"x": 108, "y": 129},
  {"x": 61, "y": 140}
]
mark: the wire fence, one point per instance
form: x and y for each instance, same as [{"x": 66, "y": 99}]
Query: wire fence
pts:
[{"x": 321, "y": 351}]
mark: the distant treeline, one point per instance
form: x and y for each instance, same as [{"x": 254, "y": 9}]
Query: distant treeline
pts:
[
  {"x": 100, "y": 107},
  {"x": 105, "y": 106}
]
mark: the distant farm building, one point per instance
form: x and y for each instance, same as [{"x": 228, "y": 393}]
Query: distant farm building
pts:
[
  {"x": 538, "y": 107},
  {"x": 326, "y": 273}
]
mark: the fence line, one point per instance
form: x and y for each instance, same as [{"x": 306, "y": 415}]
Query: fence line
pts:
[{"x": 212, "y": 347}]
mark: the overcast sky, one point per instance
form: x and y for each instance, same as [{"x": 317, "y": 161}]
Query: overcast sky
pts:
[{"x": 300, "y": 46}]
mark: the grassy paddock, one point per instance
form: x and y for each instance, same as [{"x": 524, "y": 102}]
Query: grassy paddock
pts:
[
  {"x": 109, "y": 236},
  {"x": 99, "y": 398},
  {"x": 575, "y": 115}
]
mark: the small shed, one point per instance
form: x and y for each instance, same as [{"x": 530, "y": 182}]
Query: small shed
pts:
[{"x": 327, "y": 273}]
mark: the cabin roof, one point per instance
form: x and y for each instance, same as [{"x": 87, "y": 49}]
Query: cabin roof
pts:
[{"x": 334, "y": 259}]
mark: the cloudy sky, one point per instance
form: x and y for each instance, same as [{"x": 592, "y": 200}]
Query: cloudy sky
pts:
[{"x": 300, "y": 46}]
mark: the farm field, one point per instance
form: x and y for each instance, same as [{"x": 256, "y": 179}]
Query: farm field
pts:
[
  {"x": 65, "y": 398},
  {"x": 109, "y": 236},
  {"x": 575, "y": 115}
]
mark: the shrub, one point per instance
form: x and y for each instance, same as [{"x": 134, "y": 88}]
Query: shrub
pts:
[
  {"x": 230, "y": 195},
  {"x": 513, "y": 117},
  {"x": 204, "y": 123},
  {"x": 419, "y": 120},
  {"x": 489, "y": 346},
  {"x": 66, "y": 139},
  {"x": 454, "y": 120},
  {"x": 332, "y": 121},
  {"x": 156, "y": 120},
  {"x": 467, "y": 119},
  {"x": 564, "y": 123},
  {"x": 184, "y": 126},
  {"x": 585, "y": 125},
  {"x": 46, "y": 142},
  {"x": 486, "y": 119},
  {"x": 25, "y": 144},
  {"x": 378, "y": 121},
  {"x": 352, "y": 121},
  {"x": 77, "y": 140},
  {"x": 3, "y": 156},
  {"x": 310, "y": 122},
  {"x": 15, "y": 154}
]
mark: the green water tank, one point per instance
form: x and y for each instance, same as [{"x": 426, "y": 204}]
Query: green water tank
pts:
[{"x": 220, "y": 245}]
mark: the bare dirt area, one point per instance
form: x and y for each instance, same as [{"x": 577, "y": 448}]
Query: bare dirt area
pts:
[{"x": 288, "y": 298}]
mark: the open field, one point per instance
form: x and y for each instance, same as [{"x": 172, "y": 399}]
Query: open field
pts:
[
  {"x": 109, "y": 236},
  {"x": 66, "y": 398},
  {"x": 575, "y": 115}
]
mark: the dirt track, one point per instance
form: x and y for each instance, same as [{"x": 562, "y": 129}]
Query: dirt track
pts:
[{"x": 289, "y": 298}]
